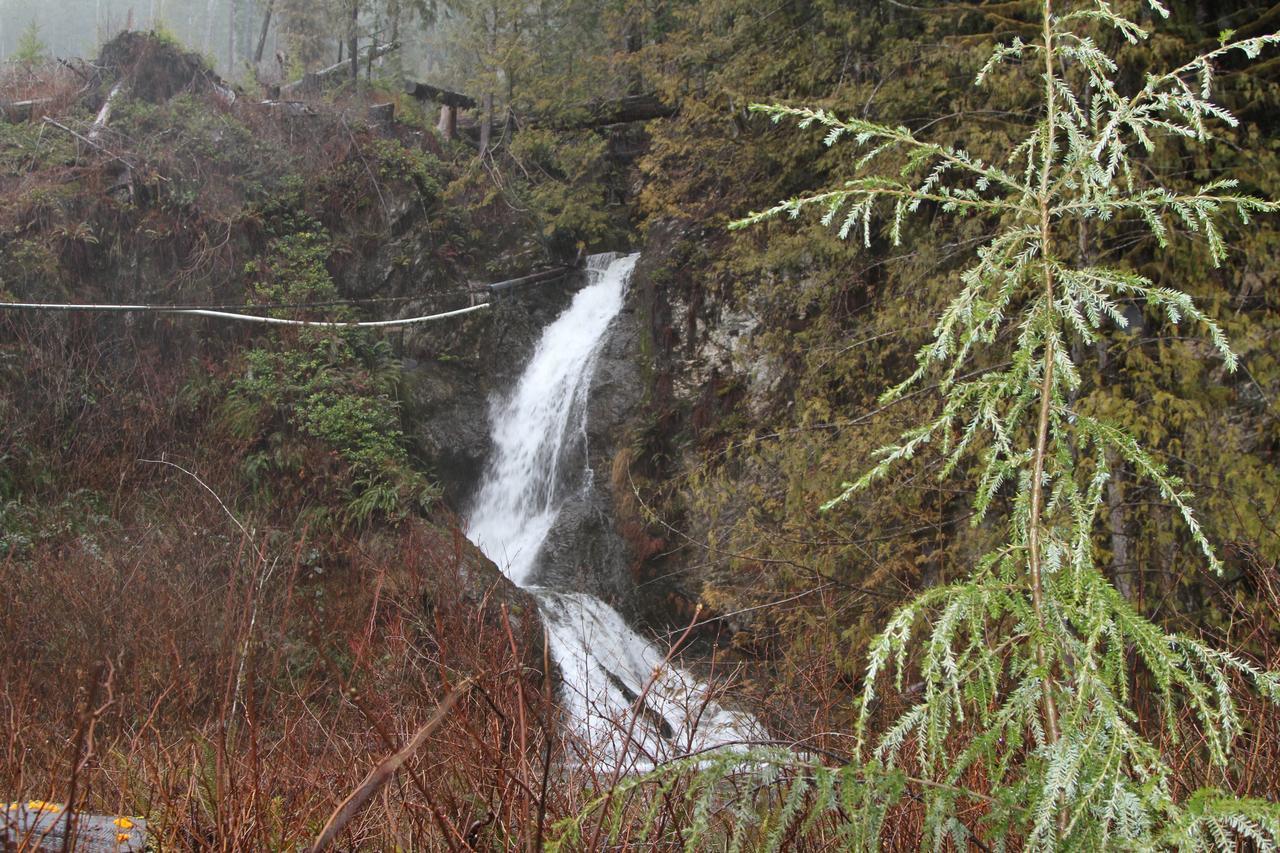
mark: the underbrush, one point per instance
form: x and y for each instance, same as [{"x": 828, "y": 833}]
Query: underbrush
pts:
[
  {"x": 53, "y": 84},
  {"x": 234, "y": 688}
]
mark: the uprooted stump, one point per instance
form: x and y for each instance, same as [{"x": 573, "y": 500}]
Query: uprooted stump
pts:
[{"x": 154, "y": 68}]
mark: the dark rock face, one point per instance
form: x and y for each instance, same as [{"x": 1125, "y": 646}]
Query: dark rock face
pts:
[
  {"x": 407, "y": 263},
  {"x": 618, "y": 387},
  {"x": 585, "y": 550},
  {"x": 676, "y": 364},
  {"x": 447, "y": 399},
  {"x": 446, "y": 415}
]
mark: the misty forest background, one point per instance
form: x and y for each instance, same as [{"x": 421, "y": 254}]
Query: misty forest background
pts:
[{"x": 233, "y": 679}]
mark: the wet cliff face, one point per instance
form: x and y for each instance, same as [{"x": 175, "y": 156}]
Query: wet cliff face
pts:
[
  {"x": 449, "y": 381},
  {"x": 684, "y": 367},
  {"x": 586, "y": 550},
  {"x": 447, "y": 403}
]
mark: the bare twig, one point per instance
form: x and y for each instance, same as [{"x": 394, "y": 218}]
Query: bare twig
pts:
[
  {"x": 382, "y": 773},
  {"x": 87, "y": 141}
]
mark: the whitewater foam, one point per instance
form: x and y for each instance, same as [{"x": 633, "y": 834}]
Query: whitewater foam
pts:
[{"x": 622, "y": 697}]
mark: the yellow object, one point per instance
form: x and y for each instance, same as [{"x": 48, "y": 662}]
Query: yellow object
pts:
[
  {"x": 123, "y": 823},
  {"x": 42, "y": 806},
  {"x": 122, "y": 837}
]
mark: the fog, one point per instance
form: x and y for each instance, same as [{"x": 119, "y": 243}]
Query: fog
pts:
[{"x": 301, "y": 34}]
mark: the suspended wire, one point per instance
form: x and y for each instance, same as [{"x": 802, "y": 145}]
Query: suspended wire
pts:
[
  {"x": 216, "y": 310},
  {"x": 328, "y": 303},
  {"x": 271, "y": 306},
  {"x": 227, "y": 315}
]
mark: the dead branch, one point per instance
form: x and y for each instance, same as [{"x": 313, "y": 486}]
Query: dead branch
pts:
[
  {"x": 382, "y": 773},
  {"x": 104, "y": 114}
]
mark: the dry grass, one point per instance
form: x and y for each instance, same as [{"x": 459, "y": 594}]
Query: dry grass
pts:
[
  {"x": 241, "y": 697},
  {"x": 56, "y": 84}
]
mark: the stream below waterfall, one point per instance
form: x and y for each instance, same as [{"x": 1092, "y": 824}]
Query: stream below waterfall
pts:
[{"x": 624, "y": 701}]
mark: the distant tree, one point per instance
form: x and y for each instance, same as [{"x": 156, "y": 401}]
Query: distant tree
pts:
[{"x": 31, "y": 49}]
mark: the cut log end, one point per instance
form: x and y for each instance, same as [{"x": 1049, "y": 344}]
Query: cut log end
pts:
[{"x": 39, "y": 826}]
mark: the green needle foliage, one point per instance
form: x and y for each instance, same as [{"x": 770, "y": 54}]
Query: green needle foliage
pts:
[
  {"x": 1032, "y": 653},
  {"x": 1024, "y": 722}
]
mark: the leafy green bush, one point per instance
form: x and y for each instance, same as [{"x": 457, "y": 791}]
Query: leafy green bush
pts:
[
  {"x": 413, "y": 165},
  {"x": 334, "y": 387}
]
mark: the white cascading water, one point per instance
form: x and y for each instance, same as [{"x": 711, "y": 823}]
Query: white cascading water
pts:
[{"x": 606, "y": 666}]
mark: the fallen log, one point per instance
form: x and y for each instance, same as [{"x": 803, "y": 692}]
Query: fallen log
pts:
[
  {"x": 338, "y": 71},
  {"x": 104, "y": 114},
  {"x": 291, "y": 108},
  {"x": 629, "y": 108},
  {"x": 601, "y": 113},
  {"x": 444, "y": 97},
  {"x": 36, "y": 825},
  {"x": 16, "y": 112},
  {"x": 86, "y": 140},
  {"x": 513, "y": 283}
]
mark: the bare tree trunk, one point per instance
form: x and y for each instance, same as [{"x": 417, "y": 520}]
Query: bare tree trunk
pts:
[
  {"x": 486, "y": 123},
  {"x": 210, "y": 9},
  {"x": 508, "y": 124},
  {"x": 393, "y": 16},
  {"x": 634, "y": 40},
  {"x": 448, "y": 126},
  {"x": 262, "y": 35},
  {"x": 1122, "y": 567},
  {"x": 233, "y": 23},
  {"x": 375, "y": 34},
  {"x": 486, "y": 101},
  {"x": 353, "y": 40}
]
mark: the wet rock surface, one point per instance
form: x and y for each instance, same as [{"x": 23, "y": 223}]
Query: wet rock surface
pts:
[
  {"x": 448, "y": 385},
  {"x": 584, "y": 551}
]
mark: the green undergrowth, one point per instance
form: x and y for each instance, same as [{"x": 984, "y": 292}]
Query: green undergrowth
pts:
[
  {"x": 191, "y": 200},
  {"x": 331, "y": 387}
]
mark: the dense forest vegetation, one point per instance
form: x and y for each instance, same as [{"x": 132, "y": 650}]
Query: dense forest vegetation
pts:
[{"x": 234, "y": 575}]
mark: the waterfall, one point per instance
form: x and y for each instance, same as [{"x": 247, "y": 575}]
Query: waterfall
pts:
[{"x": 624, "y": 700}]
